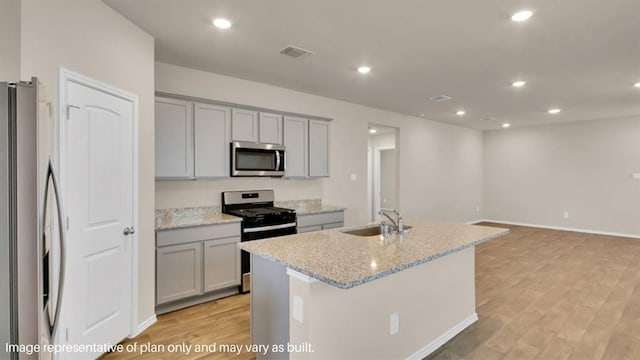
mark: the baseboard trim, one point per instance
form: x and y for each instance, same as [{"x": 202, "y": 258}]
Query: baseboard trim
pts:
[
  {"x": 442, "y": 339},
  {"x": 586, "y": 231},
  {"x": 472, "y": 222},
  {"x": 144, "y": 325}
]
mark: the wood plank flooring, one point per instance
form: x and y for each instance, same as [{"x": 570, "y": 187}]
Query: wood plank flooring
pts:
[{"x": 540, "y": 294}]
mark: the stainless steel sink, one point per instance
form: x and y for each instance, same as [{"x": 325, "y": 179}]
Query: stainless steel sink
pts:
[{"x": 369, "y": 230}]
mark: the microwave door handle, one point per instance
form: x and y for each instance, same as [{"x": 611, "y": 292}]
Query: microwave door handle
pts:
[
  {"x": 277, "y": 160},
  {"x": 62, "y": 239}
]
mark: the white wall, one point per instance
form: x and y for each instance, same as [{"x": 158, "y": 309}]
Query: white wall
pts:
[
  {"x": 88, "y": 37},
  {"x": 10, "y": 40},
  {"x": 440, "y": 165},
  {"x": 534, "y": 174}
]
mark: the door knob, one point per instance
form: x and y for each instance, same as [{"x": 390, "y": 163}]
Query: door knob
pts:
[{"x": 129, "y": 230}]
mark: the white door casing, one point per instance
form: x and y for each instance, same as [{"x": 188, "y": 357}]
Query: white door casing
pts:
[{"x": 99, "y": 173}]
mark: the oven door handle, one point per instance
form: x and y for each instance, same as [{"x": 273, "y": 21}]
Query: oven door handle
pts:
[{"x": 267, "y": 228}]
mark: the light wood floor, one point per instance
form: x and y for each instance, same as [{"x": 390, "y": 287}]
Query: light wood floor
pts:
[{"x": 540, "y": 294}]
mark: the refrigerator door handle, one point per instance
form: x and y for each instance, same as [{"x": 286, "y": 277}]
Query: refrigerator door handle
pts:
[{"x": 51, "y": 174}]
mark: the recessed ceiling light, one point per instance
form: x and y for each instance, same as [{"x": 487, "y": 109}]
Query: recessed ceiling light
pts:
[
  {"x": 364, "y": 69},
  {"x": 554, "y": 111},
  {"x": 637, "y": 84},
  {"x": 521, "y": 16},
  {"x": 460, "y": 112},
  {"x": 372, "y": 131},
  {"x": 221, "y": 23},
  {"x": 506, "y": 125},
  {"x": 440, "y": 98},
  {"x": 519, "y": 83}
]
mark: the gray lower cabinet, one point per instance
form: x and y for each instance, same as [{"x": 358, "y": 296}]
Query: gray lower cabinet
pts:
[
  {"x": 179, "y": 271},
  {"x": 195, "y": 264},
  {"x": 321, "y": 221},
  {"x": 221, "y": 263}
]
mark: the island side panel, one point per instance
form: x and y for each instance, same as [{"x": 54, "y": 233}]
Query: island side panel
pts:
[
  {"x": 269, "y": 306},
  {"x": 434, "y": 300}
]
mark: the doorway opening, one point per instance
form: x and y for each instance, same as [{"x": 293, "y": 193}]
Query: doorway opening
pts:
[{"x": 383, "y": 165}]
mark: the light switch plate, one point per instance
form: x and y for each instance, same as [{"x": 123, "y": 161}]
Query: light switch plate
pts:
[
  {"x": 298, "y": 309},
  {"x": 635, "y": 176},
  {"x": 354, "y": 177},
  {"x": 394, "y": 323}
]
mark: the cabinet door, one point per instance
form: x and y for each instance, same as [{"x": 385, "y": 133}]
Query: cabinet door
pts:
[
  {"x": 318, "y": 148},
  {"x": 306, "y": 229},
  {"x": 221, "y": 263},
  {"x": 296, "y": 141},
  {"x": 174, "y": 138},
  {"x": 270, "y": 128},
  {"x": 244, "y": 125},
  {"x": 212, "y": 138},
  {"x": 178, "y": 272}
]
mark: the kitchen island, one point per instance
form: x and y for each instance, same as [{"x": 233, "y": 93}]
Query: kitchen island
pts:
[{"x": 328, "y": 294}]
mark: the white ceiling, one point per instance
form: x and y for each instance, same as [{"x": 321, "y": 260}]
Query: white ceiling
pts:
[{"x": 579, "y": 55}]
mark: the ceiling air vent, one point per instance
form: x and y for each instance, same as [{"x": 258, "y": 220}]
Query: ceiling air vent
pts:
[
  {"x": 440, "y": 98},
  {"x": 488, "y": 118},
  {"x": 295, "y": 52}
]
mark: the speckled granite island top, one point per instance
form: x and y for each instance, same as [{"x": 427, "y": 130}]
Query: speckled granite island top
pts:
[{"x": 346, "y": 261}]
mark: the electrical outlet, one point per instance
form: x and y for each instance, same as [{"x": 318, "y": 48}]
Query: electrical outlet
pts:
[
  {"x": 565, "y": 215},
  {"x": 394, "y": 323}
]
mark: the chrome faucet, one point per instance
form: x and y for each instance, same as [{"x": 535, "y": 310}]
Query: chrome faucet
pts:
[{"x": 398, "y": 223}]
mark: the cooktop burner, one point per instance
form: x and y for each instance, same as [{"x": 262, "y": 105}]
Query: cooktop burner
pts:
[{"x": 259, "y": 211}]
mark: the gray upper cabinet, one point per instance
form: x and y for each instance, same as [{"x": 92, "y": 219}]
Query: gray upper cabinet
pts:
[
  {"x": 318, "y": 148},
  {"x": 212, "y": 138},
  {"x": 174, "y": 139},
  {"x": 270, "y": 128},
  {"x": 244, "y": 125},
  {"x": 296, "y": 141}
]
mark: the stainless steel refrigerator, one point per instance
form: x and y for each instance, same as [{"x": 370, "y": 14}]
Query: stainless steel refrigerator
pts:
[{"x": 31, "y": 223}]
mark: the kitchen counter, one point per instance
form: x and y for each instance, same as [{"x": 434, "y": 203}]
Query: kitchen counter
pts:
[
  {"x": 346, "y": 261},
  {"x": 209, "y": 215},
  {"x": 352, "y": 297},
  {"x": 193, "y": 216},
  {"x": 308, "y": 207}
]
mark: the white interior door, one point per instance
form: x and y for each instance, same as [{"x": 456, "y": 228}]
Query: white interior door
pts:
[{"x": 99, "y": 188}]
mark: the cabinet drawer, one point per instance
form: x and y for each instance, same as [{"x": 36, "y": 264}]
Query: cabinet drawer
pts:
[
  {"x": 320, "y": 219},
  {"x": 197, "y": 233}
]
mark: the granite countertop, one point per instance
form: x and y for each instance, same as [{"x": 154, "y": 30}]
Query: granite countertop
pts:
[
  {"x": 308, "y": 207},
  {"x": 194, "y": 216},
  {"x": 209, "y": 215},
  {"x": 346, "y": 261}
]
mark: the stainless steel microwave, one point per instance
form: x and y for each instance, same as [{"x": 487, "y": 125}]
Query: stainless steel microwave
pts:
[{"x": 250, "y": 159}]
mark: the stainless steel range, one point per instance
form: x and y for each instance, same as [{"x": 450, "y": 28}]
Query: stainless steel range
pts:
[{"x": 260, "y": 220}]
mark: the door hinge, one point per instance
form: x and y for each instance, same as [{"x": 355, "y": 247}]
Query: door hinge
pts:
[
  {"x": 69, "y": 107},
  {"x": 67, "y": 223}
]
